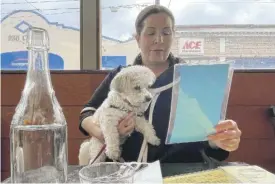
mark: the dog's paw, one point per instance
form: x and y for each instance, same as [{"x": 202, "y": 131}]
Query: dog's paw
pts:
[
  {"x": 113, "y": 153},
  {"x": 154, "y": 140}
]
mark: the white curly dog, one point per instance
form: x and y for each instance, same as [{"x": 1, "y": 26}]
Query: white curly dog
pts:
[{"x": 129, "y": 92}]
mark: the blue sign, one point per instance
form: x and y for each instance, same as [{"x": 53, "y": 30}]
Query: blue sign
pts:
[
  {"x": 110, "y": 62},
  {"x": 19, "y": 61}
]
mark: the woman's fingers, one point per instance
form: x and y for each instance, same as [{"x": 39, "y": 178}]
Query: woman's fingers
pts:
[
  {"x": 226, "y": 125},
  {"x": 229, "y": 145},
  {"x": 125, "y": 121},
  {"x": 227, "y": 136},
  {"x": 126, "y": 125},
  {"x": 230, "y": 134},
  {"x": 129, "y": 129}
]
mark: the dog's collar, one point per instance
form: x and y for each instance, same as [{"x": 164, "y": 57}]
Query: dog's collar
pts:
[
  {"x": 126, "y": 101},
  {"x": 115, "y": 107}
]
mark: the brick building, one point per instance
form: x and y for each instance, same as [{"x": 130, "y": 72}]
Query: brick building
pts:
[{"x": 248, "y": 45}]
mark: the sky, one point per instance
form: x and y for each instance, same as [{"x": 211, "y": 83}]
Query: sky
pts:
[{"x": 186, "y": 12}]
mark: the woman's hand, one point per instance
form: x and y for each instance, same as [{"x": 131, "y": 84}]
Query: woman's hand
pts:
[
  {"x": 127, "y": 125},
  {"x": 92, "y": 128},
  {"x": 227, "y": 136}
]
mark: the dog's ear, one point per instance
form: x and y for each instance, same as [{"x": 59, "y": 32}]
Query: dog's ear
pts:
[
  {"x": 117, "y": 83},
  {"x": 152, "y": 79}
]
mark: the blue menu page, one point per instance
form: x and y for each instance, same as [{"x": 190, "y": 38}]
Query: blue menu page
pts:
[{"x": 197, "y": 102}]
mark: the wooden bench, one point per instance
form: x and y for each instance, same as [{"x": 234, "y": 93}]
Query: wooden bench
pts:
[{"x": 251, "y": 95}]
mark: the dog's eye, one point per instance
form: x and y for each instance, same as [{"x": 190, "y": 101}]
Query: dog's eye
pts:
[{"x": 137, "y": 88}]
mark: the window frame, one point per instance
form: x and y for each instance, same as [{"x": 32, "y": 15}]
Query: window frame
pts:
[{"x": 90, "y": 35}]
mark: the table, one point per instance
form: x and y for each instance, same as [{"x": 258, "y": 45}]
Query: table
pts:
[{"x": 168, "y": 169}]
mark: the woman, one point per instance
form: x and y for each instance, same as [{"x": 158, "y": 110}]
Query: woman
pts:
[{"x": 155, "y": 32}]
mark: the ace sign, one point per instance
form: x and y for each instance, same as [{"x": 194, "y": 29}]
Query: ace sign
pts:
[{"x": 191, "y": 46}]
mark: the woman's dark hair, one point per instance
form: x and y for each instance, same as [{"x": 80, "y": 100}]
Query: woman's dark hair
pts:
[
  {"x": 149, "y": 10},
  {"x": 146, "y": 12}
]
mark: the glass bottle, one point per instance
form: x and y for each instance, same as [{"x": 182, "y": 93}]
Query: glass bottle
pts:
[{"x": 38, "y": 131}]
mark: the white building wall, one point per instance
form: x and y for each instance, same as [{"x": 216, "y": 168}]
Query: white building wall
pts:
[
  {"x": 64, "y": 42},
  {"x": 129, "y": 49},
  {"x": 216, "y": 45}
]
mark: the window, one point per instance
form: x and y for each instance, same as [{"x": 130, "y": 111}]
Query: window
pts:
[
  {"x": 118, "y": 26},
  {"x": 61, "y": 18},
  {"x": 242, "y": 32}
]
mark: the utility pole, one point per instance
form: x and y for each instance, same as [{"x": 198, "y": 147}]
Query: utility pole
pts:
[{"x": 157, "y": 2}]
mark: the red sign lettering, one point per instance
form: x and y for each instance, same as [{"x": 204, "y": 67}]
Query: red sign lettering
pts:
[{"x": 192, "y": 45}]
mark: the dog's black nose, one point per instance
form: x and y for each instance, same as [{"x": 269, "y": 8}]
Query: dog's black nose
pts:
[{"x": 148, "y": 98}]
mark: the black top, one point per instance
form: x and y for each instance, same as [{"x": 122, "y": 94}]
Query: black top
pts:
[{"x": 185, "y": 152}]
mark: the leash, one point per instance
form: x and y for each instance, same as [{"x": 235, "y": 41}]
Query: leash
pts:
[
  {"x": 142, "y": 157},
  {"x": 99, "y": 153},
  {"x": 144, "y": 148}
]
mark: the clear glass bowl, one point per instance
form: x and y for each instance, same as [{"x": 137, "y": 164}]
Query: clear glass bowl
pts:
[{"x": 107, "y": 172}]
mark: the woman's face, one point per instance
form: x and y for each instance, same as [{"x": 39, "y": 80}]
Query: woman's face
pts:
[{"x": 155, "y": 39}]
